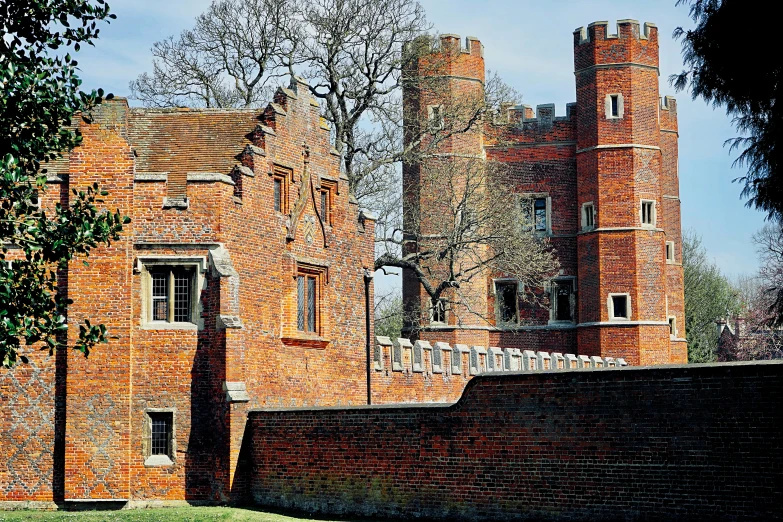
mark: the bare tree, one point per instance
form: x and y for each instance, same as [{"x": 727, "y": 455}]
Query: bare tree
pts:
[
  {"x": 473, "y": 227},
  {"x": 357, "y": 56},
  {"x": 769, "y": 246},
  {"x": 226, "y": 60},
  {"x": 755, "y": 335}
]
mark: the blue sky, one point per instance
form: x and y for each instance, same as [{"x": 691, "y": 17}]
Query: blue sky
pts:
[{"x": 529, "y": 43}]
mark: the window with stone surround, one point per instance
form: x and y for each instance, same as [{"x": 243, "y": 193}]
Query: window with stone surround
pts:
[
  {"x": 647, "y": 213},
  {"x": 615, "y": 106},
  {"x": 438, "y": 311},
  {"x": 619, "y": 306},
  {"x": 435, "y": 117},
  {"x": 563, "y": 300},
  {"x": 536, "y": 213},
  {"x": 672, "y": 326},
  {"x": 506, "y": 299},
  {"x": 670, "y": 251},
  {"x": 170, "y": 291},
  {"x": 158, "y": 443},
  {"x": 588, "y": 216}
]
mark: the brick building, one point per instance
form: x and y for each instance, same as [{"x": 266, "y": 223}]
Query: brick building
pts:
[
  {"x": 240, "y": 282},
  {"x": 602, "y": 182}
]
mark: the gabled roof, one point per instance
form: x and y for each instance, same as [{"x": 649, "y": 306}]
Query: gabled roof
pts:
[{"x": 190, "y": 140}]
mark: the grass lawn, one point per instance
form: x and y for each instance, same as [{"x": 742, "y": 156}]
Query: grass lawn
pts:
[{"x": 189, "y": 514}]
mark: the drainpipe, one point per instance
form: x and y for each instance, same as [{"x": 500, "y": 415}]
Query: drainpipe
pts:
[{"x": 367, "y": 279}]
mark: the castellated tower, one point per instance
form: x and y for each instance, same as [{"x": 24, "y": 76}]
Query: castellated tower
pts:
[
  {"x": 630, "y": 276},
  {"x": 602, "y": 183},
  {"x": 444, "y": 82}
]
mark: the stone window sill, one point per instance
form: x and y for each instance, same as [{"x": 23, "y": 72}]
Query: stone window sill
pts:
[
  {"x": 306, "y": 341},
  {"x": 169, "y": 326},
  {"x": 158, "y": 460}
]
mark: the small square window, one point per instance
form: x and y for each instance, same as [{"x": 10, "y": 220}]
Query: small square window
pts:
[
  {"x": 438, "y": 311},
  {"x": 619, "y": 306},
  {"x": 670, "y": 251},
  {"x": 647, "y": 213},
  {"x": 588, "y": 216},
  {"x": 506, "y": 299}
]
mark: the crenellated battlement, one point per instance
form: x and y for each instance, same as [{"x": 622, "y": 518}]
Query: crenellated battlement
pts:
[
  {"x": 632, "y": 44},
  {"x": 423, "y": 357},
  {"x": 544, "y": 114},
  {"x": 668, "y": 103},
  {"x": 627, "y": 28},
  {"x": 453, "y": 43}
]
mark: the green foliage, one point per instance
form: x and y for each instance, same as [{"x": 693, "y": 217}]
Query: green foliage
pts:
[
  {"x": 740, "y": 75},
  {"x": 389, "y": 314},
  {"x": 40, "y": 97},
  {"x": 709, "y": 296}
]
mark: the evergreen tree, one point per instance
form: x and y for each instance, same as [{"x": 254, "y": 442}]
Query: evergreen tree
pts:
[{"x": 40, "y": 97}]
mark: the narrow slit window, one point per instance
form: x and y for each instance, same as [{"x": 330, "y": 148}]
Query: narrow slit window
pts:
[
  {"x": 278, "y": 184},
  {"x": 648, "y": 213},
  {"x": 672, "y": 326},
  {"x": 325, "y": 206},
  {"x": 615, "y": 105},
  {"x": 588, "y": 216},
  {"x": 670, "y": 251},
  {"x": 562, "y": 300},
  {"x": 506, "y": 294},
  {"x": 182, "y": 291},
  {"x": 438, "y": 311},
  {"x": 307, "y": 303},
  {"x": 160, "y": 296},
  {"x": 311, "y": 304},
  {"x": 539, "y": 214},
  {"x": 436, "y": 117},
  {"x": 300, "y": 303}
]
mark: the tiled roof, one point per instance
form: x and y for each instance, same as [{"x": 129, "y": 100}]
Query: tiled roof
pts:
[{"x": 189, "y": 140}]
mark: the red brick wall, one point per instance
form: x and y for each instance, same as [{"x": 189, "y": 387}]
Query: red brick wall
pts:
[
  {"x": 586, "y": 445},
  {"x": 98, "y": 428},
  {"x": 586, "y": 157},
  {"x": 95, "y": 448}
]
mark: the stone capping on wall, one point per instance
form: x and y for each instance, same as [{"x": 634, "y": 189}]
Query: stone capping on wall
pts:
[
  {"x": 584, "y": 35},
  {"x": 544, "y": 115},
  {"x": 429, "y": 359}
]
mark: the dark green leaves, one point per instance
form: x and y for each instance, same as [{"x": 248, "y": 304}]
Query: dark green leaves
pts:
[{"x": 40, "y": 97}]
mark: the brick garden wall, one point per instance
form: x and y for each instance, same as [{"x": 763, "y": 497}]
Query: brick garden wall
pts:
[{"x": 588, "y": 444}]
